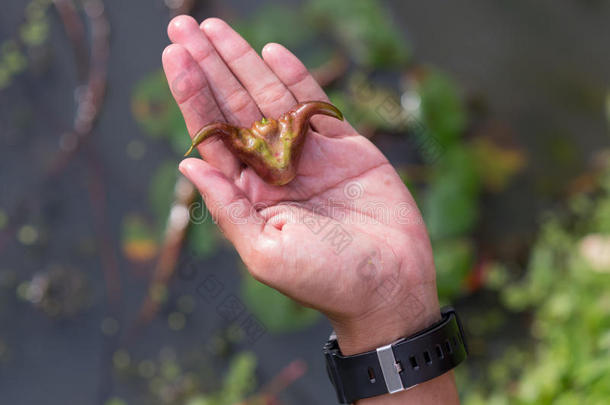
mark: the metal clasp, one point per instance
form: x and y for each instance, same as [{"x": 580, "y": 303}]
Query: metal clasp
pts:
[{"x": 390, "y": 368}]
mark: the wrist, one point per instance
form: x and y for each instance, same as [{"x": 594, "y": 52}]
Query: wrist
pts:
[
  {"x": 433, "y": 384},
  {"x": 408, "y": 313}
]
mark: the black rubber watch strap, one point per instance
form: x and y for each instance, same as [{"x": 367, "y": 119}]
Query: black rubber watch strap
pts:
[{"x": 400, "y": 365}]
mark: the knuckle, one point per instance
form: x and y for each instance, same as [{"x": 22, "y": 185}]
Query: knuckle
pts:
[
  {"x": 187, "y": 85},
  {"x": 272, "y": 93},
  {"x": 240, "y": 54},
  {"x": 202, "y": 106},
  {"x": 298, "y": 77},
  {"x": 236, "y": 101},
  {"x": 205, "y": 53}
]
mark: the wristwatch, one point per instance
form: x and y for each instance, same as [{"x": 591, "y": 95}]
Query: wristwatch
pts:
[{"x": 400, "y": 365}]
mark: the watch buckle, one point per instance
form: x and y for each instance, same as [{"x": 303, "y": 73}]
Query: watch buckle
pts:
[{"x": 390, "y": 368}]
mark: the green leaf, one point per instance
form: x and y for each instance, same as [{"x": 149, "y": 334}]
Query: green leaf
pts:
[
  {"x": 157, "y": 113},
  {"x": 454, "y": 259},
  {"x": 442, "y": 110},
  {"x": 276, "y": 311},
  {"x": 240, "y": 380},
  {"x": 273, "y": 23},
  {"x": 567, "y": 357},
  {"x": 450, "y": 205},
  {"x": 364, "y": 28},
  {"x": 495, "y": 164}
]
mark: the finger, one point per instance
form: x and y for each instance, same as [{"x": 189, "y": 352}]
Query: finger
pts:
[
  {"x": 192, "y": 93},
  {"x": 234, "y": 101},
  {"x": 269, "y": 93},
  {"x": 291, "y": 71},
  {"x": 229, "y": 206}
]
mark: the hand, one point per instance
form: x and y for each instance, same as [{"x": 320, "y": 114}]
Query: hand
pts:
[{"x": 345, "y": 237}]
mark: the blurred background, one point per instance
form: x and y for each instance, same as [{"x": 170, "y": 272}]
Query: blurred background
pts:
[{"x": 494, "y": 113}]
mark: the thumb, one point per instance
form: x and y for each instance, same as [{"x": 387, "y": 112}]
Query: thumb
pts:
[{"x": 229, "y": 206}]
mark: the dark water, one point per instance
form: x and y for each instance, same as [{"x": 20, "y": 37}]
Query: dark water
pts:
[{"x": 540, "y": 67}]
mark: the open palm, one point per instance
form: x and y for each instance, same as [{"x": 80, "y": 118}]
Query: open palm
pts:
[{"x": 345, "y": 236}]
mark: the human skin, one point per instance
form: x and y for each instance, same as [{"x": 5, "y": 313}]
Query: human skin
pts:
[{"x": 377, "y": 288}]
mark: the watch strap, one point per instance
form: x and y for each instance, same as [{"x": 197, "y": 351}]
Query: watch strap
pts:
[{"x": 400, "y": 365}]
